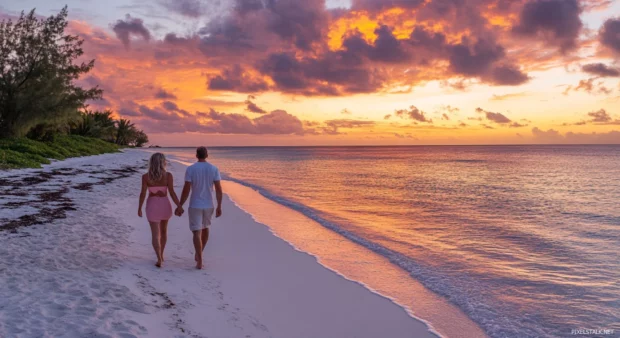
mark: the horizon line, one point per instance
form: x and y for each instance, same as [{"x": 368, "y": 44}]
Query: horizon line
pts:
[{"x": 392, "y": 145}]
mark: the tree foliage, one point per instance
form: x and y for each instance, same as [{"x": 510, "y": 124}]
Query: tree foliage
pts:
[
  {"x": 101, "y": 125},
  {"x": 38, "y": 70}
]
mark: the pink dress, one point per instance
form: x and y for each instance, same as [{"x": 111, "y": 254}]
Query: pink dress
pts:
[{"x": 158, "y": 208}]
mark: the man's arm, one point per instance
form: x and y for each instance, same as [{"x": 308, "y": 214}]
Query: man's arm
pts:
[
  {"x": 218, "y": 196},
  {"x": 185, "y": 194}
]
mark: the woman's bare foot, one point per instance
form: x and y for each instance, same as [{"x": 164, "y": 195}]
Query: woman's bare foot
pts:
[
  {"x": 196, "y": 257},
  {"x": 199, "y": 265},
  {"x": 158, "y": 264}
]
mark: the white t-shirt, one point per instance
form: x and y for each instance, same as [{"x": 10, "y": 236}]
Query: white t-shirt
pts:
[{"x": 202, "y": 175}]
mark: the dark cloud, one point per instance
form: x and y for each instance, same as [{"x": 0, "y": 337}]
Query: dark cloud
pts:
[
  {"x": 600, "y": 69},
  {"x": 189, "y": 8},
  {"x": 380, "y": 5},
  {"x": 278, "y": 122},
  {"x": 445, "y": 116},
  {"x": 326, "y": 76},
  {"x": 300, "y": 22},
  {"x": 475, "y": 59},
  {"x": 254, "y": 25},
  {"x": 244, "y": 7},
  {"x": 172, "y": 107},
  {"x": 609, "y": 34},
  {"x": 165, "y": 95},
  {"x": 478, "y": 60},
  {"x": 125, "y": 29},
  {"x": 386, "y": 48},
  {"x": 230, "y": 36},
  {"x": 125, "y": 111},
  {"x": 508, "y": 75},
  {"x": 345, "y": 112},
  {"x": 157, "y": 114},
  {"x": 237, "y": 79},
  {"x": 252, "y": 107},
  {"x": 413, "y": 113},
  {"x": 286, "y": 42},
  {"x": 387, "y": 117},
  {"x": 600, "y": 116},
  {"x": 498, "y": 118},
  {"x": 420, "y": 37},
  {"x": 169, "y": 105},
  {"x": 173, "y": 39},
  {"x": 555, "y": 21}
]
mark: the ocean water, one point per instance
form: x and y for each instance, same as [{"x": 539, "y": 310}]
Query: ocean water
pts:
[{"x": 522, "y": 239}]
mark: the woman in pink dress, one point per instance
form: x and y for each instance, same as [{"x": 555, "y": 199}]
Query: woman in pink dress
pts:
[{"x": 158, "y": 209}]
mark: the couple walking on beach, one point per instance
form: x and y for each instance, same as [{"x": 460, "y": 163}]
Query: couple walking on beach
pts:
[{"x": 200, "y": 179}]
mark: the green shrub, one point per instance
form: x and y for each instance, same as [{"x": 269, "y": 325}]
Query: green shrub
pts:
[
  {"x": 25, "y": 145},
  {"x": 10, "y": 159},
  {"x": 26, "y": 153}
]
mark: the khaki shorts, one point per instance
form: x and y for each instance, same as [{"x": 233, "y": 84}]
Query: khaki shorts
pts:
[{"x": 199, "y": 218}]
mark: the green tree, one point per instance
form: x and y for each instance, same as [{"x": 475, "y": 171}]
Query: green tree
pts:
[
  {"x": 83, "y": 126},
  {"x": 38, "y": 70},
  {"x": 95, "y": 124},
  {"x": 105, "y": 125},
  {"x": 125, "y": 132},
  {"x": 140, "y": 139}
]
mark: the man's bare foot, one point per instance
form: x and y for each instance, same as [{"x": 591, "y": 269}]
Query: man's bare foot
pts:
[
  {"x": 199, "y": 265},
  {"x": 158, "y": 264}
]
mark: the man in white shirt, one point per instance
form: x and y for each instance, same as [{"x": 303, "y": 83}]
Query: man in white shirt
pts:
[{"x": 200, "y": 178}]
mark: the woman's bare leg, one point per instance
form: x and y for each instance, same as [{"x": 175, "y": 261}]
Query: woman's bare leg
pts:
[
  {"x": 163, "y": 236},
  {"x": 155, "y": 233}
]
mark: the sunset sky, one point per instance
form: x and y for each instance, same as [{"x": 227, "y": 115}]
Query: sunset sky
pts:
[{"x": 313, "y": 72}]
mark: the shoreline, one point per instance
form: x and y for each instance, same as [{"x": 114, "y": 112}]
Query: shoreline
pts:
[
  {"x": 95, "y": 270},
  {"x": 307, "y": 236}
]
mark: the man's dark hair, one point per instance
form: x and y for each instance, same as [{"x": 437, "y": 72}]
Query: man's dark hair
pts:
[{"x": 201, "y": 153}]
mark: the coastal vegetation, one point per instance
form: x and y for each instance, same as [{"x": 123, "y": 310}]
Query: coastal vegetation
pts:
[
  {"x": 27, "y": 153},
  {"x": 43, "y": 106}
]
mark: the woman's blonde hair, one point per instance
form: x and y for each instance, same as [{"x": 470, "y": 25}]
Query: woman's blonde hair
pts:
[{"x": 157, "y": 167}]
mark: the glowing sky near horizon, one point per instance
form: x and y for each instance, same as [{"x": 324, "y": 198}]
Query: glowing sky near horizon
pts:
[{"x": 287, "y": 72}]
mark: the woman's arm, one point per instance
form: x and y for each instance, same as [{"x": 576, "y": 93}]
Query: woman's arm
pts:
[
  {"x": 142, "y": 196},
  {"x": 173, "y": 194}
]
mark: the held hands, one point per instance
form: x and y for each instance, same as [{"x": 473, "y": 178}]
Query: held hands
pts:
[{"x": 179, "y": 211}]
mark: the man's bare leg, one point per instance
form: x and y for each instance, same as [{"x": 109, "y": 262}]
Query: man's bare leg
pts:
[
  {"x": 205, "y": 238},
  {"x": 163, "y": 236},
  {"x": 155, "y": 234},
  {"x": 198, "y": 248}
]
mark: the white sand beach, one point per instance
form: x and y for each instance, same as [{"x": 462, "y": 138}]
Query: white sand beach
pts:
[{"x": 92, "y": 272}]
